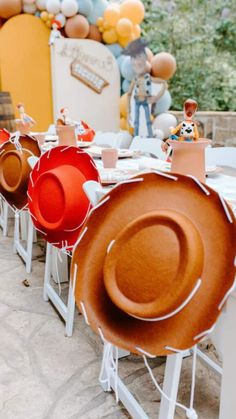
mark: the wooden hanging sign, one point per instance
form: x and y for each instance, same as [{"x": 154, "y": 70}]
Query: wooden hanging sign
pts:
[{"x": 88, "y": 76}]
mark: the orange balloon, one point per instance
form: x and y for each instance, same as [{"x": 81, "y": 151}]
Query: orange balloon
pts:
[
  {"x": 9, "y": 8},
  {"x": 94, "y": 33},
  {"x": 133, "y": 10},
  {"x": 77, "y": 27},
  {"x": 163, "y": 65},
  {"x": 112, "y": 14},
  {"x": 124, "y": 105},
  {"x": 109, "y": 36},
  {"x": 124, "y": 27},
  {"x": 136, "y": 31}
]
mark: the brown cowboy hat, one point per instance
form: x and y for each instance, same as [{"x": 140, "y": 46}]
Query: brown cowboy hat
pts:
[
  {"x": 155, "y": 263},
  {"x": 15, "y": 169}
]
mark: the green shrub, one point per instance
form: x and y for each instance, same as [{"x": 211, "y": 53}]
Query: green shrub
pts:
[{"x": 201, "y": 34}]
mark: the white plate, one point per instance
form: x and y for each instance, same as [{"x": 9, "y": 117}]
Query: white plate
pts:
[{"x": 85, "y": 144}]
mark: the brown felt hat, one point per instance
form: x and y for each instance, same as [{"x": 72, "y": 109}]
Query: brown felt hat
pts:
[
  {"x": 15, "y": 169},
  {"x": 155, "y": 263}
]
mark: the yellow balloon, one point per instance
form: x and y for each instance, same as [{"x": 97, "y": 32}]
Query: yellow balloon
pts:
[
  {"x": 124, "y": 104},
  {"x": 133, "y": 10},
  {"x": 106, "y": 25},
  {"x": 100, "y": 21},
  {"x": 44, "y": 16},
  {"x": 136, "y": 31},
  {"x": 125, "y": 41},
  {"x": 112, "y": 14},
  {"x": 109, "y": 36},
  {"x": 124, "y": 27}
]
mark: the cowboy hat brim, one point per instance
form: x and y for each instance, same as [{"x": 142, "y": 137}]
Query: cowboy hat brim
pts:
[
  {"x": 53, "y": 159},
  {"x": 18, "y": 199},
  {"x": 128, "y": 201}
]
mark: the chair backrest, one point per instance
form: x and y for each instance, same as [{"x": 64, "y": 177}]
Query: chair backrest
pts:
[
  {"x": 221, "y": 156},
  {"x": 120, "y": 139},
  {"x": 151, "y": 146}
]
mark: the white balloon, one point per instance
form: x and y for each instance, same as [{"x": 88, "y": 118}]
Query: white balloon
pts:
[
  {"x": 53, "y": 6},
  {"x": 41, "y": 4},
  {"x": 164, "y": 122},
  {"x": 158, "y": 134},
  {"x": 61, "y": 18},
  {"x": 29, "y": 8},
  {"x": 69, "y": 8}
]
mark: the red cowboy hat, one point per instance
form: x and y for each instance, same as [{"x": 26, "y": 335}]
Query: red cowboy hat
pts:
[
  {"x": 57, "y": 202},
  {"x": 4, "y": 135}
]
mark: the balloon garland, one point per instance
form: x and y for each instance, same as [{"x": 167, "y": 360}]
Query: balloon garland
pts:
[{"x": 114, "y": 24}]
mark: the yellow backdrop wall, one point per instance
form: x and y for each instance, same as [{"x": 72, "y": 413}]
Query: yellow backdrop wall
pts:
[{"x": 25, "y": 66}]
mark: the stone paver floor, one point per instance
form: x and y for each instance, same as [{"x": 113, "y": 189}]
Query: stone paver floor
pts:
[{"x": 44, "y": 375}]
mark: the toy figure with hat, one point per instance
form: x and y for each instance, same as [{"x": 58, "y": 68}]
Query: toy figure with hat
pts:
[
  {"x": 141, "y": 86},
  {"x": 26, "y": 122},
  {"x": 188, "y": 150},
  {"x": 80, "y": 128},
  {"x": 55, "y": 32}
]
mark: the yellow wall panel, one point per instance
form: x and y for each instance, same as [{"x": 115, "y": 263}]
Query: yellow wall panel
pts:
[{"x": 25, "y": 66}]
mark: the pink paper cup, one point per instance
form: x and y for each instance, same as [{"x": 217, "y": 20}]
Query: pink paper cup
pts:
[{"x": 109, "y": 158}]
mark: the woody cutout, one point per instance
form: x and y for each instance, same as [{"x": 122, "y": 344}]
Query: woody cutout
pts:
[{"x": 142, "y": 84}]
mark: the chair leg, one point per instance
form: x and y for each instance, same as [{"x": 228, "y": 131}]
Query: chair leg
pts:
[
  {"x": 16, "y": 232},
  {"x": 5, "y": 218},
  {"x": 29, "y": 244},
  {"x": 47, "y": 273},
  {"x": 170, "y": 386},
  {"x": 70, "y": 310}
]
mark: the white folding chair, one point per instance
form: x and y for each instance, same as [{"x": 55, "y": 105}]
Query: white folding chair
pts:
[
  {"x": 24, "y": 231},
  {"x": 58, "y": 271},
  {"x": 4, "y": 212},
  {"x": 221, "y": 156},
  {"x": 151, "y": 146},
  {"x": 120, "y": 139}
]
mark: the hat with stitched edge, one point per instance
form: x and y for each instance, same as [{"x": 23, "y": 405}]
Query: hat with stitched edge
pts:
[
  {"x": 15, "y": 169},
  {"x": 57, "y": 202},
  {"x": 155, "y": 263}
]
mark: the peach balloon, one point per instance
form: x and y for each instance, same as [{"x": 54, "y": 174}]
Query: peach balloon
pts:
[
  {"x": 163, "y": 65},
  {"x": 94, "y": 33},
  {"x": 133, "y": 10},
  {"x": 112, "y": 14},
  {"x": 109, "y": 36},
  {"x": 124, "y": 104},
  {"x": 124, "y": 27},
  {"x": 9, "y": 8},
  {"x": 77, "y": 27},
  {"x": 123, "y": 123}
]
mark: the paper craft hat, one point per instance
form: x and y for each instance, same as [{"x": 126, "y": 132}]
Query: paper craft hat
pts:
[
  {"x": 15, "y": 170},
  {"x": 155, "y": 263},
  {"x": 84, "y": 132},
  {"x": 57, "y": 202},
  {"x": 4, "y": 135},
  {"x": 135, "y": 48}
]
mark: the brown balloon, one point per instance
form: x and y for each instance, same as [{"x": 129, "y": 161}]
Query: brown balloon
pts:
[
  {"x": 77, "y": 27},
  {"x": 94, "y": 33},
  {"x": 9, "y": 8},
  {"x": 163, "y": 65}
]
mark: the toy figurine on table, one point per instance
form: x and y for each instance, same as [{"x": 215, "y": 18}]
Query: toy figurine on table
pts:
[
  {"x": 187, "y": 130},
  {"x": 82, "y": 130},
  {"x": 24, "y": 118},
  {"x": 141, "y": 93}
]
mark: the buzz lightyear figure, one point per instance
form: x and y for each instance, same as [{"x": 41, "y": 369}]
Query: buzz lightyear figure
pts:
[{"x": 141, "y": 86}]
